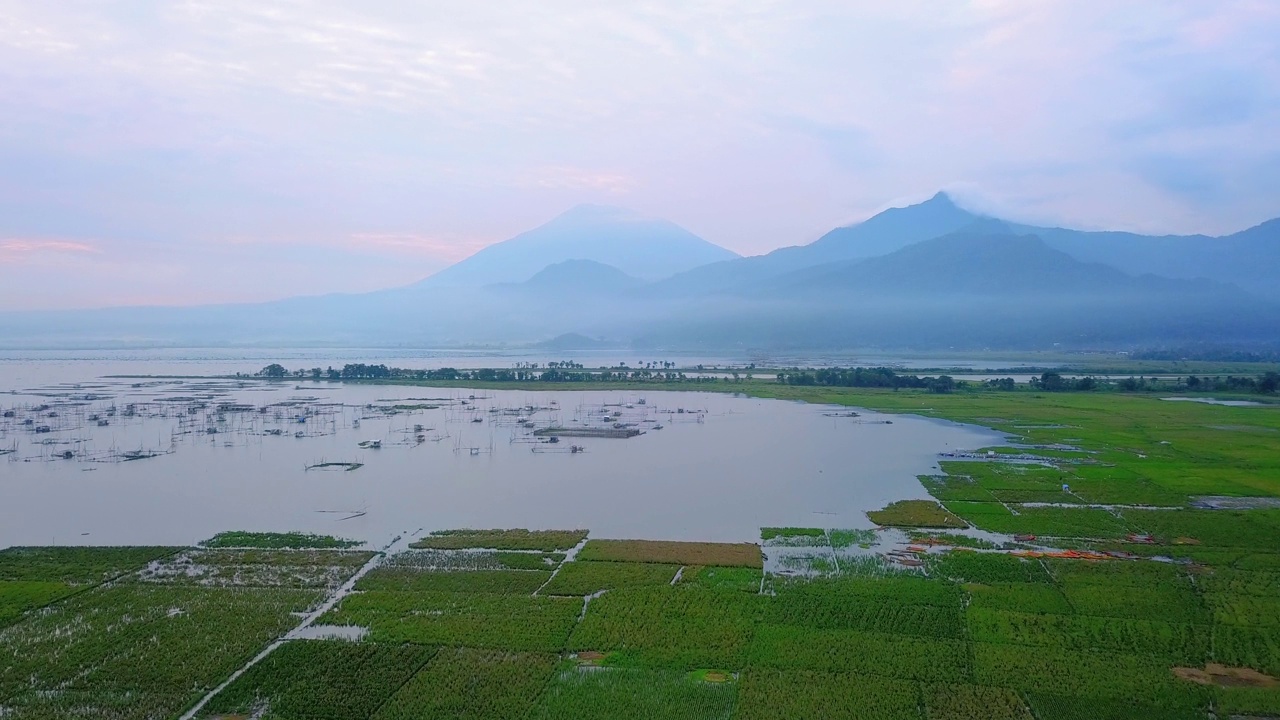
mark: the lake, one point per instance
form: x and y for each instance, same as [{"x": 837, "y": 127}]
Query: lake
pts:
[{"x": 213, "y": 455}]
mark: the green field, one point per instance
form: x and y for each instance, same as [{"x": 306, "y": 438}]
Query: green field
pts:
[{"x": 1036, "y": 622}]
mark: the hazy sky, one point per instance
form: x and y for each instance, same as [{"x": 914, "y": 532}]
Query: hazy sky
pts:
[{"x": 182, "y": 152}]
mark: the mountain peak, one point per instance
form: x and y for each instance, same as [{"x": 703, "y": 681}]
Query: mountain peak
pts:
[
  {"x": 594, "y": 212},
  {"x": 643, "y": 247},
  {"x": 940, "y": 199}
]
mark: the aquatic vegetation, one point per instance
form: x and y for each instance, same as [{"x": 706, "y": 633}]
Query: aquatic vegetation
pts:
[
  {"x": 255, "y": 568},
  {"x": 675, "y": 553},
  {"x": 274, "y": 540},
  {"x": 841, "y": 539},
  {"x": 321, "y": 679},
  {"x": 916, "y": 513},
  {"x": 516, "y": 539},
  {"x": 792, "y": 536},
  {"x": 585, "y": 576},
  {"x": 469, "y": 684}
]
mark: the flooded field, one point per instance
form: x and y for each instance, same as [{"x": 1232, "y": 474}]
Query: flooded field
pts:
[{"x": 113, "y": 461}]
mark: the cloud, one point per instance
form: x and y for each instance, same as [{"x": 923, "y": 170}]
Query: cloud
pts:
[{"x": 18, "y": 249}]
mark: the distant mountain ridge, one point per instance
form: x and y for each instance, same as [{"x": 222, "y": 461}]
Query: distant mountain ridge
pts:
[
  {"x": 647, "y": 248},
  {"x": 1249, "y": 258},
  {"x": 924, "y": 276}
]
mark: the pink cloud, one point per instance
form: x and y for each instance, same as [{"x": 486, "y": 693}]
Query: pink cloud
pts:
[{"x": 18, "y": 248}]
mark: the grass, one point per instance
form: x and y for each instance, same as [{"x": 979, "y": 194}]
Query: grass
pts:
[
  {"x": 916, "y": 514},
  {"x": 674, "y": 553}
]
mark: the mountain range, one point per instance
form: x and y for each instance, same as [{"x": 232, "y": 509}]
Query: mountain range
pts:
[{"x": 927, "y": 275}]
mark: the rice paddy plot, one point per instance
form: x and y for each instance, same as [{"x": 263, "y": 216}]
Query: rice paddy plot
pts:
[
  {"x": 674, "y": 553},
  {"x": 682, "y": 627},
  {"x": 320, "y": 680},
  {"x": 510, "y": 582},
  {"x": 986, "y": 568},
  {"x": 515, "y": 539},
  {"x": 973, "y": 702},
  {"x": 906, "y": 606},
  {"x": 470, "y": 684},
  {"x": 451, "y": 619},
  {"x": 724, "y": 578},
  {"x": 138, "y": 651},
  {"x": 20, "y": 596},
  {"x": 75, "y": 565},
  {"x": 1257, "y": 648},
  {"x": 1051, "y": 706},
  {"x": 790, "y": 647},
  {"x": 637, "y": 694},
  {"x": 1018, "y": 596},
  {"x": 278, "y": 541},
  {"x": 1168, "y": 601},
  {"x": 813, "y": 695},
  {"x": 584, "y": 577},
  {"x": 473, "y": 560},
  {"x": 1173, "y": 643},
  {"x": 1094, "y": 674}
]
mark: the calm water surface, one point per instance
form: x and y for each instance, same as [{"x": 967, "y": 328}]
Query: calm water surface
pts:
[{"x": 227, "y": 456}]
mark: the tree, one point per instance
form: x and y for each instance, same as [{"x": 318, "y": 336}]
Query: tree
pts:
[
  {"x": 274, "y": 370},
  {"x": 1052, "y": 382},
  {"x": 1269, "y": 383}
]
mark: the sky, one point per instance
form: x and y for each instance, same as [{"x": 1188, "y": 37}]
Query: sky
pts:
[{"x": 186, "y": 152}]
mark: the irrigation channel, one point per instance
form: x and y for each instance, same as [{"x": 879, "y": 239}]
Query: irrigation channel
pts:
[{"x": 173, "y": 461}]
